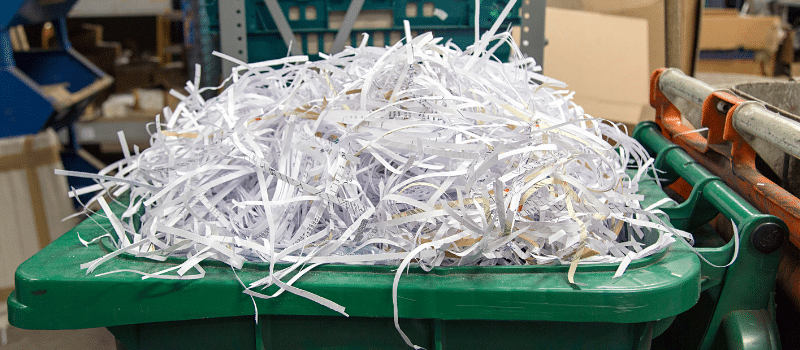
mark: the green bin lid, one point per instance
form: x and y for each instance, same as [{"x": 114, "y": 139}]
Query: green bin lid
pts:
[{"x": 52, "y": 292}]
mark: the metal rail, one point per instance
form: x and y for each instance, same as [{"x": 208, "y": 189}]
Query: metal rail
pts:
[{"x": 750, "y": 119}]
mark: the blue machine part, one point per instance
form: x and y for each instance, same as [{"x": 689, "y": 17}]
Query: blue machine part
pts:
[
  {"x": 15, "y": 12},
  {"x": 26, "y": 108},
  {"x": 20, "y": 101},
  {"x": 55, "y": 67}
]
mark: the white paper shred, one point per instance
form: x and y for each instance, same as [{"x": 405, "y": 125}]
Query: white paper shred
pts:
[
  {"x": 441, "y": 14},
  {"x": 417, "y": 153}
]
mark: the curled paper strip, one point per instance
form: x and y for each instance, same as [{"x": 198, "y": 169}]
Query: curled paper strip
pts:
[{"x": 415, "y": 153}]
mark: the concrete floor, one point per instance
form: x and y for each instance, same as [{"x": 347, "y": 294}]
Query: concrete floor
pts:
[{"x": 80, "y": 339}]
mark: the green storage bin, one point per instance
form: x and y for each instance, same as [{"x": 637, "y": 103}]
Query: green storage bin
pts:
[
  {"x": 265, "y": 43},
  {"x": 447, "y": 308}
]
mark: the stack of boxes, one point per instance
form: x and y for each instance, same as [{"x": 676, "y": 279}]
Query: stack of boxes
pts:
[{"x": 734, "y": 43}]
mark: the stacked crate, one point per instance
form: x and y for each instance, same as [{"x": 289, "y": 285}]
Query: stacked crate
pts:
[{"x": 316, "y": 22}]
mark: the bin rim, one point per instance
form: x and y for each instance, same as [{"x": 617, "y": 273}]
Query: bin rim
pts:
[{"x": 54, "y": 293}]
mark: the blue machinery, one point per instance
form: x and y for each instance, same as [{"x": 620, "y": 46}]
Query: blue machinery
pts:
[{"x": 43, "y": 88}]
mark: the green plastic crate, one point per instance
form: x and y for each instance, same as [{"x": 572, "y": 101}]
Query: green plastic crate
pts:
[
  {"x": 447, "y": 308},
  {"x": 265, "y": 43}
]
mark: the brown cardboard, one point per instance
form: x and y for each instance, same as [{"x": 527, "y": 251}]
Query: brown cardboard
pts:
[
  {"x": 603, "y": 58},
  {"x": 650, "y": 10},
  {"x": 726, "y": 30},
  {"x": 764, "y": 65},
  {"x": 134, "y": 75},
  {"x": 752, "y": 67}
]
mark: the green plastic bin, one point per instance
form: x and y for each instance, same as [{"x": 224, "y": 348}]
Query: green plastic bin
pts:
[
  {"x": 264, "y": 41},
  {"x": 447, "y": 308}
]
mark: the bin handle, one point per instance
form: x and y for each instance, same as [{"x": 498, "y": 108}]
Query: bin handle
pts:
[
  {"x": 708, "y": 189},
  {"x": 726, "y": 115}
]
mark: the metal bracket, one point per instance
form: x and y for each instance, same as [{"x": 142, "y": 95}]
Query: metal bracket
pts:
[
  {"x": 343, "y": 36},
  {"x": 532, "y": 29},
  {"x": 283, "y": 27},
  {"x": 232, "y": 32}
]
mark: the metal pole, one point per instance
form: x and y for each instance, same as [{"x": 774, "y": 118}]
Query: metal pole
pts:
[
  {"x": 232, "y": 32},
  {"x": 751, "y": 118},
  {"x": 343, "y": 35},
  {"x": 676, "y": 84},
  {"x": 532, "y": 29},
  {"x": 283, "y": 27}
]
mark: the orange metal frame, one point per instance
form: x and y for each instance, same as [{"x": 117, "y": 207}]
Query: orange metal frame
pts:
[{"x": 735, "y": 164}]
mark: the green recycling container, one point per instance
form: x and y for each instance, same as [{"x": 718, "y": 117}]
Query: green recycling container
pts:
[{"x": 667, "y": 299}]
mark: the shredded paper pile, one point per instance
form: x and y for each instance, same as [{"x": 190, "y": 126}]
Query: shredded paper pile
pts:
[{"x": 417, "y": 153}]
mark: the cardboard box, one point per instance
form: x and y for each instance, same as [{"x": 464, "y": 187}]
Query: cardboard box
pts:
[
  {"x": 795, "y": 69},
  {"x": 765, "y": 67},
  {"x": 604, "y": 59},
  {"x": 134, "y": 75},
  {"x": 33, "y": 200},
  {"x": 650, "y": 10},
  {"x": 723, "y": 29},
  {"x": 172, "y": 76}
]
